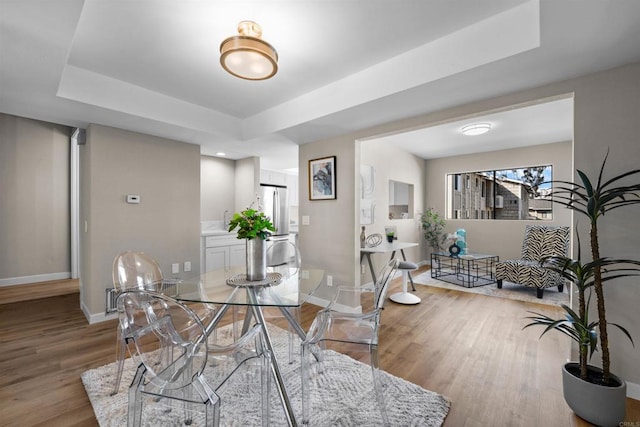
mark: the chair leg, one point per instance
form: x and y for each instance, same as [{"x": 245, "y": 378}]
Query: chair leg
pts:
[
  {"x": 305, "y": 354},
  {"x": 120, "y": 352},
  {"x": 134, "y": 412},
  {"x": 499, "y": 283},
  {"x": 539, "y": 292},
  {"x": 560, "y": 288},
  {"x": 378, "y": 386}
]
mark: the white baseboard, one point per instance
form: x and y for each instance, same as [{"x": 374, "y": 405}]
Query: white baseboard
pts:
[
  {"x": 35, "y": 279},
  {"x": 633, "y": 390},
  {"x": 98, "y": 317}
]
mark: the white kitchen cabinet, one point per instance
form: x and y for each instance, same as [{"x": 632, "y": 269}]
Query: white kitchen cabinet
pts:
[
  {"x": 223, "y": 251},
  {"x": 238, "y": 254},
  {"x": 272, "y": 177},
  {"x": 292, "y": 189},
  {"x": 216, "y": 258}
]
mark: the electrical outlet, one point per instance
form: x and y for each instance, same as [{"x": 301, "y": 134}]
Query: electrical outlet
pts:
[
  {"x": 329, "y": 280},
  {"x": 362, "y": 270},
  {"x": 187, "y": 266},
  {"x": 305, "y": 274},
  {"x": 305, "y": 220},
  {"x": 175, "y": 268}
]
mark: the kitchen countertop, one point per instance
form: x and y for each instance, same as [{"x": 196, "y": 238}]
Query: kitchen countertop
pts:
[{"x": 218, "y": 233}]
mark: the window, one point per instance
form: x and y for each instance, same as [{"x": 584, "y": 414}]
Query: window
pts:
[{"x": 508, "y": 194}]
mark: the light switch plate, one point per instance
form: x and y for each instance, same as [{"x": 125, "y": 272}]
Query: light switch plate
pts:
[
  {"x": 187, "y": 266},
  {"x": 175, "y": 268},
  {"x": 305, "y": 219}
]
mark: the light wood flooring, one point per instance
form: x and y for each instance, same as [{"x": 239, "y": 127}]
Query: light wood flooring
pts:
[{"x": 470, "y": 348}]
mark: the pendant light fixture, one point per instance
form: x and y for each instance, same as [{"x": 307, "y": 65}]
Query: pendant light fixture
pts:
[{"x": 247, "y": 56}]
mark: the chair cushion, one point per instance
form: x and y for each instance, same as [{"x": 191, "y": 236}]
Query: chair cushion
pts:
[
  {"x": 407, "y": 265},
  {"x": 527, "y": 273}
]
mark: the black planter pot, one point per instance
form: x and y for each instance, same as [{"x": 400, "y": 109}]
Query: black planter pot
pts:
[{"x": 600, "y": 405}]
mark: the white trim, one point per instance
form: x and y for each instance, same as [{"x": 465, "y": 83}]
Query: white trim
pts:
[
  {"x": 74, "y": 193},
  {"x": 633, "y": 390},
  {"x": 96, "y": 318},
  {"x": 35, "y": 279}
]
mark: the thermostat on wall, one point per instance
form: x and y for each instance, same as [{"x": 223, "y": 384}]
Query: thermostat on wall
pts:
[{"x": 133, "y": 198}]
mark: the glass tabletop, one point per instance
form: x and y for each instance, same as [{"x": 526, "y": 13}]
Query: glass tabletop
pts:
[
  {"x": 293, "y": 288},
  {"x": 469, "y": 256}
]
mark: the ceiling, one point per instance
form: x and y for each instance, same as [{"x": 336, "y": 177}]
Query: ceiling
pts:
[{"x": 152, "y": 66}]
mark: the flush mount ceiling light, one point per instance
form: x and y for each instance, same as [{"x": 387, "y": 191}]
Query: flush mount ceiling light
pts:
[
  {"x": 248, "y": 56},
  {"x": 475, "y": 129}
]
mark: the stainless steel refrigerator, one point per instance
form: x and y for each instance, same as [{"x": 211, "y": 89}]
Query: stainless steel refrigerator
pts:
[{"x": 274, "y": 203}]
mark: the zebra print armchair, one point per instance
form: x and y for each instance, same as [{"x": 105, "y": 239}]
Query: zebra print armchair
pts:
[{"x": 539, "y": 241}]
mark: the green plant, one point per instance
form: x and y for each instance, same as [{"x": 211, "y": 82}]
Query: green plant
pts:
[
  {"x": 593, "y": 202},
  {"x": 433, "y": 228},
  {"x": 577, "y": 325},
  {"x": 251, "y": 224}
]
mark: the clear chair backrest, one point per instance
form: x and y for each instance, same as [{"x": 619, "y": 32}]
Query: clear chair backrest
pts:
[
  {"x": 169, "y": 338},
  {"x": 136, "y": 270},
  {"x": 384, "y": 281},
  {"x": 283, "y": 257}
]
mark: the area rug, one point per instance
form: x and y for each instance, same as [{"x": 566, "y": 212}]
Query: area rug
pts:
[
  {"x": 342, "y": 396},
  {"x": 509, "y": 290}
]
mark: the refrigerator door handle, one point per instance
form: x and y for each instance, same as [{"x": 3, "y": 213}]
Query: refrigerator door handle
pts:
[{"x": 276, "y": 207}]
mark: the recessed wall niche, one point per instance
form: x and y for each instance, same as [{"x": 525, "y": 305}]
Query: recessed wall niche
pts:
[{"x": 400, "y": 200}]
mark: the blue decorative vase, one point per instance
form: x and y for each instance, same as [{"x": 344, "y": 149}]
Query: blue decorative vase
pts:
[{"x": 462, "y": 240}]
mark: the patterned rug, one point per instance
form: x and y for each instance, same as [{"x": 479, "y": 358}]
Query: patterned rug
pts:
[
  {"x": 509, "y": 290},
  {"x": 342, "y": 396}
]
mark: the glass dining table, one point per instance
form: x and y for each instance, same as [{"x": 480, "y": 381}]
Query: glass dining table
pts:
[{"x": 284, "y": 288}]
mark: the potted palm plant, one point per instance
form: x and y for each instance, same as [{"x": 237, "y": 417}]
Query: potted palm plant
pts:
[
  {"x": 254, "y": 226},
  {"x": 593, "y": 200}
]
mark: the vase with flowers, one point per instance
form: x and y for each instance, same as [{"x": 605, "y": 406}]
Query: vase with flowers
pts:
[{"x": 254, "y": 226}]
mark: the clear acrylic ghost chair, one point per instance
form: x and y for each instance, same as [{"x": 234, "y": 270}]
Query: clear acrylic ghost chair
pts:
[
  {"x": 354, "y": 329},
  {"x": 282, "y": 257},
  {"x": 137, "y": 270},
  {"x": 132, "y": 270},
  {"x": 178, "y": 370}
]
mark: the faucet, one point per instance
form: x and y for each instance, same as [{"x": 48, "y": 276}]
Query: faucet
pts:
[{"x": 226, "y": 219}]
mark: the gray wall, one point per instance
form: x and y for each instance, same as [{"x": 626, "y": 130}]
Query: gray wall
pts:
[
  {"x": 606, "y": 115},
  {"x": 391, "y": 163},
  {"x": 218, "y": 187},
  {"x": 499, "y": 237},
  {"x": 166, "y": 224},
  {"x": 247, "y": 182},
  {"x": 34, "y": 201}
]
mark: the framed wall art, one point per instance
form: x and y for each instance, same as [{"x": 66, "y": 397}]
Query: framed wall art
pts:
[{"x": 322, "y": 178}]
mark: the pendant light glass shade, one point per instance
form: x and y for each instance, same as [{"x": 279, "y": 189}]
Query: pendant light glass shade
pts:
[{"x": 247, "y": 56}]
